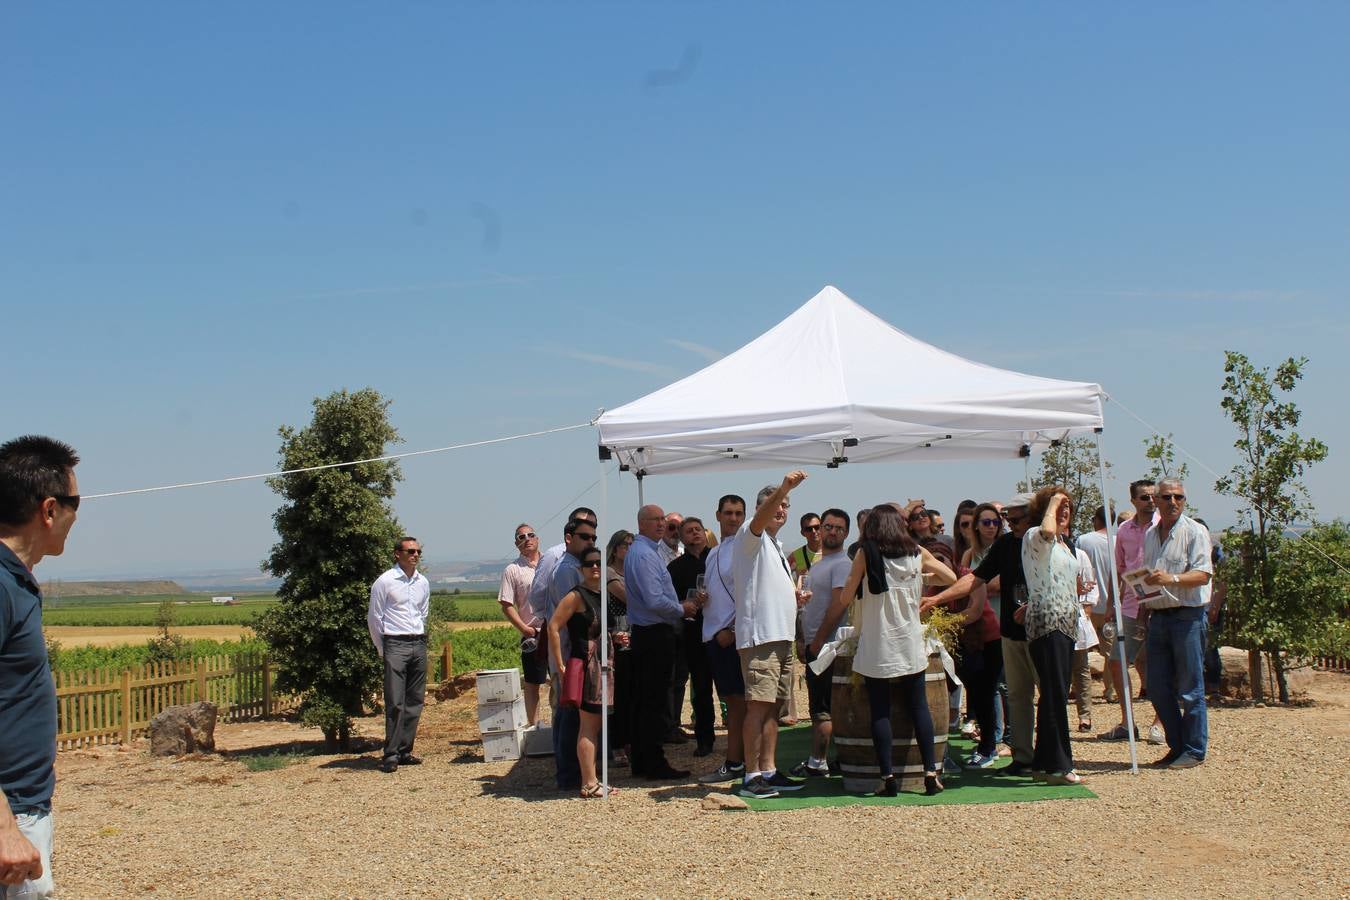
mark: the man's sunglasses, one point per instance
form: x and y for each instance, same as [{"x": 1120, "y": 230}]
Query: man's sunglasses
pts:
[
  {"x": 810, "y": 528},
  {"x": 525, "y": 537},
  {"x": 411, "y": 552},
  {"x": 584, "y": 537},
  {"x": 1175, "y": 498},
  {"x": 72, "y": 501}
]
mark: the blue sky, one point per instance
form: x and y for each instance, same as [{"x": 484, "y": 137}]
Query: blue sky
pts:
[{"x": 507, "y": 216}]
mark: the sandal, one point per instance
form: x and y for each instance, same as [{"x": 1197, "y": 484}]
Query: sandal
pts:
[
  {"x": 596, "y": 791},
  {"x": 932, "y": 784},
  {"x": 1071, "y": 777},
  {"x": 888, "y": 788},
  {"x": 1084, "y": 724}
]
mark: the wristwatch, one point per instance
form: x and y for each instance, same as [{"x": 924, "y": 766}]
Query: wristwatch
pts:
[{"x": 1176, "y": 579}]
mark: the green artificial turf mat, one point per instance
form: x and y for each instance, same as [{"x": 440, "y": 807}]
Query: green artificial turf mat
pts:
[{"x": 968, "y": 786}]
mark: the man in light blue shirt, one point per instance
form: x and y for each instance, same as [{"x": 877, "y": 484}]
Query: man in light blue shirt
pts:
[
  {"x": 653, "y": 614},
  {"x": 1176, "y": 553}
]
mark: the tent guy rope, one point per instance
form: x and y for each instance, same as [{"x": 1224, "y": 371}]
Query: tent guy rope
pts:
[{"x": 338, "y": 465}]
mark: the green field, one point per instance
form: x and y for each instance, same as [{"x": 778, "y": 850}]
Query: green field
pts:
[{"x": 124, "y": 611}]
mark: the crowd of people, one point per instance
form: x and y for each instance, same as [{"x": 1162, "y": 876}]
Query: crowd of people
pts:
[{"x": 723, "y": 611}]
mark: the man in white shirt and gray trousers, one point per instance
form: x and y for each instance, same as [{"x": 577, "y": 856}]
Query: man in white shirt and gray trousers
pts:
[{"x": 399, "y": 602}]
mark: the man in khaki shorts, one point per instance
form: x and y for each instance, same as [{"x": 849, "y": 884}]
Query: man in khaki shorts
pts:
[{"x": 766, "y": 618}]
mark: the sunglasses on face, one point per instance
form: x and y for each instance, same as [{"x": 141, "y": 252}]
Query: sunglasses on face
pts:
[
  {"x": 591, "y": 564},
  {"x": 1172, "y": 498},
  {"x": 529, "y": 535},
  {"x": 810, "y": 528},
  {"x": 989, "y": 523},
  {"x": 411, "y": 552},
  {"x": 70, "y": 501},
  {"x": 585, "y": 537}
]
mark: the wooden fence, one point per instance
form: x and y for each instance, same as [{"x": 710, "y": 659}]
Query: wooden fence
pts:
[
  {"x": 1331, "y": 664},
  {"x": 103, "y": 706}
]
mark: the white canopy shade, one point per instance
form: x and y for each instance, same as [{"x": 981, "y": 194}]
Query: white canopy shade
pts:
[{"x": 832, "y": 382}]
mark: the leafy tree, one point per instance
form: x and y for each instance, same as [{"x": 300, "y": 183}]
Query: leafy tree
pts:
[
  {"x": 1270, "y": 614},
  {"x": 1162, "y": 462},
  {"x": 1072, "y": 463},
  {"x": 337, "y": 533}
]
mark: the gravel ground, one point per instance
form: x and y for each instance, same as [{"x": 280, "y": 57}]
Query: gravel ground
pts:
[{"x": 1266, "y": 815}]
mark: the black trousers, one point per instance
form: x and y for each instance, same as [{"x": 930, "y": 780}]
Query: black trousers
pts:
[
  {"x": 691, "y": 665},
  {"x": 1052, "y": 655},
  {"x": 405, "y": 686},
  {"x": 620, "y": 719},
  {"x": 981, "y": 670},
  {"x": 653, "y": 668}
]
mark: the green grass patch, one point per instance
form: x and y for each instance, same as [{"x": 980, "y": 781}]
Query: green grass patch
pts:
[
  {"x": 133, "y": 656},
  {"x": 479, "y": 648},
  {"x": 140, "y": 612},
  {"x": 466, "y": 608},
  {"x": 267, "y": 762}
]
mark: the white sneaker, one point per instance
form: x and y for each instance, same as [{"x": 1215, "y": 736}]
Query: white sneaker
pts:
[{"x": 1155, "y": 735}]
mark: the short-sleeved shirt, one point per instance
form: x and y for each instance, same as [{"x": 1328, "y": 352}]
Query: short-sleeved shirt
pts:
[
  {"x": 515, "y": 590},
  {"x": 542, "y": 584},
  {"x": 829, "y": 573},
  {"x": 27, "y": 693},
  {"x": 1185, "y": 549},
  {"x": 1129, "y": 556},
  {"x": 718, "y": 575},
  {"x": 766, "y": 597},
  {"x": 1004, "y": 561},
  {"x": 803, "y": 558},
  {"x": 1052, "y": 585},
  {"x": 1098, "y": 549}
]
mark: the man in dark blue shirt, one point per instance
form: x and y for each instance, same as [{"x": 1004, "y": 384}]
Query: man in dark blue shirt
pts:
[{"x": 38, "y": 502}]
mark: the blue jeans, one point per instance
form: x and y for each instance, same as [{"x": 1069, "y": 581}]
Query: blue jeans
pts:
[
  {"x": 1176, "y": 680},
  {"x": 566, "y": 728}
]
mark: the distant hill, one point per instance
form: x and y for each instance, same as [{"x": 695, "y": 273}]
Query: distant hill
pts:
[{"x": 109, "y": 588}]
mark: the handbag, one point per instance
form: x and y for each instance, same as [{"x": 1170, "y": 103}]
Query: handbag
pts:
[{"x": 573, "y": 681}]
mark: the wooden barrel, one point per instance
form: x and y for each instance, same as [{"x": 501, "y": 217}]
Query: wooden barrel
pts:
[{"x": 852, "y": 717}]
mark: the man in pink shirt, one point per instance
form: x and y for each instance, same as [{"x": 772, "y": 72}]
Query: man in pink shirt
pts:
[
  {"x": 1130, "y": 556},
  {"x": 514, "y": 597}
]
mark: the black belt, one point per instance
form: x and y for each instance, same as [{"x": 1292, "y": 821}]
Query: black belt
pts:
[
  {"x": 419, "y": 638},
  {"x": 1169, "y": 610}
]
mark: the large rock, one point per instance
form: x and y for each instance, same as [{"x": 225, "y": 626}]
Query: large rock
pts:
[
  {"x": 184, "y": 729},
  {"x": 1235, "y": 682}
]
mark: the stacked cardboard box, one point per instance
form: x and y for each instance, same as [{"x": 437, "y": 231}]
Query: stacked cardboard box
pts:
[{"x": 501, "y": 714}]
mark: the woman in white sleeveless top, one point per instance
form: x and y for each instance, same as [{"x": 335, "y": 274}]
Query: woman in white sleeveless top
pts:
[{"x": 887, "y": 579}]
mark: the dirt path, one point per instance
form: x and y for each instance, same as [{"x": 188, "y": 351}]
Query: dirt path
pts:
[
  {"x": 113, "y": 635},
  {"x": 1265, "y": 816}
]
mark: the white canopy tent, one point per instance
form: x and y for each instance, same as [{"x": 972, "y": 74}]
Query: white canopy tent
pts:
[
  {"x": 843, "y": 384},
  {"x": 834, "y": 384}
]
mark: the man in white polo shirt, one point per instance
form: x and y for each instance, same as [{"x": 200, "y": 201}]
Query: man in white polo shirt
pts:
[{"x": 766, "y": 622}]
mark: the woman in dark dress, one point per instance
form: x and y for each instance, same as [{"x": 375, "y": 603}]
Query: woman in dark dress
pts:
[{"x": 579, "y": 613}]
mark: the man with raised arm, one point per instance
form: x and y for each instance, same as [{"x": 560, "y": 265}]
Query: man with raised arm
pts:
[
  {"x": 766, "y": 623},
  {"x": 38, "y": 502}
]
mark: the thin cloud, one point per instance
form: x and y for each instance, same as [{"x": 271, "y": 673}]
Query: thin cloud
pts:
[
  {"x": 618, "y": 362},
  {"x": 1205, "y": 296},
  {"x": 497, "y": 279},
  {"x": 707, "y": 353}
]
